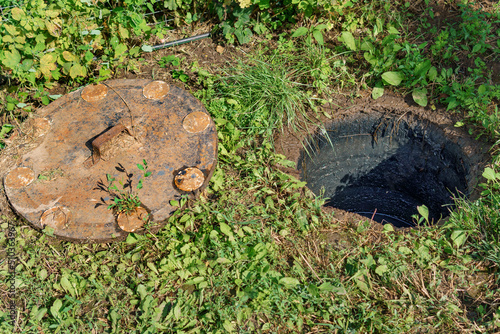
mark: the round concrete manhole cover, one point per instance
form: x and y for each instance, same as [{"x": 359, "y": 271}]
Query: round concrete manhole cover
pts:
[{"x": 102, "y": 132}]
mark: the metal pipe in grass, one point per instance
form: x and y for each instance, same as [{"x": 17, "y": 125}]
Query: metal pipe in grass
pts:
[
  {"x": 174, "y": 43},
  {"x": 180, "y": 41}
]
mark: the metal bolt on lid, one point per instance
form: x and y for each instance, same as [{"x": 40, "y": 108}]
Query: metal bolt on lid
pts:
[{"x": 107, "y": 129}]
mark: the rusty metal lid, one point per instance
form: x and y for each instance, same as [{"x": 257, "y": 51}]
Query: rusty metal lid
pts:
[{"x": 109, "y": 128}]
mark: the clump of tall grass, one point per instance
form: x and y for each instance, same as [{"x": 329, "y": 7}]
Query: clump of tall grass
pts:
[{"x": 269, "y": 94}]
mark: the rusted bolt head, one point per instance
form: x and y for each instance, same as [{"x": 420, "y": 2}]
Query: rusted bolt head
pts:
[
  {"x": 189, "y": 179},
  {"x": 133, "y": 221},
  {"x": 19, "y": 177},
  {"x": 196, "y": 122},
  {"x": 156, "y": 90},
  {"x": 42, "y": 126},
  {"x": 55, "y": 217},
  {"x": 93, "y": 93}
]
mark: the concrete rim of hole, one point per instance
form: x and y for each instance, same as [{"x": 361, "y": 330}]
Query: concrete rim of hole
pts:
[{"x": 289, "y": 143}]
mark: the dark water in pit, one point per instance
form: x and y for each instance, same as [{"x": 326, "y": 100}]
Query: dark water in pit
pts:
[{"x": 384, "y": 168}]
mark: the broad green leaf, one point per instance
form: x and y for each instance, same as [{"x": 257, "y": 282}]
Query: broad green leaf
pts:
[
  {"x": 422, "y": 68},
  {"x": 393, "y": 78},
  {"x": 370, "y": 58},
  {"x": 452, "y": 104},
  {"x": 12, "y": 59},
  {"x": 89, "y": 56},
  {"x": 476, "y": 48},
  {"x": 300, "y": 32},
  {"x": 459, "y": 124},
  {"x": 489, "y": 174},
  {"x": 147, "y": 48},
  {"x": 42, "y": 274},
  {"x": 340, "y": 290},
  {"x": 326, "y": 287},
  {"x": 362, "y": 285},
  {"x": 388, "y": 228},
  {"x": 381, "y": 270},
  {"x": 228, "y": 326},
  {"x": 423, "y": 211},
  {"x": 17, "y": 14},
  {"x": 405, "y": 250},
  {"x": 377, "y": 92},
  {"x": 66, "y": 284},
  {"x": 349, "y": 41},
  {"x": 367, "y": 46},
  {"x": 223, "y": 260},
  {"x": 432, "y": 74},
  {"x": 141, "y": 290},
  {"x": 224, "y": 228},
  {"x": 392, "y": 30},
  {"x": 318, "y": 36},
  {"x": 120, "y": 49},
  {"x": 260, "y": 250},
  {"x": 420, "y": 96},
  {"x": 153, "y": 268},
  {"x": 39, "y": 314},
  {"x": 132, "y": 238},
  {"x": 56, "y": 306},
  {"x": 458, "y": 237},
  {"x": 6, "y": 128},
  {"x": 289, "y": 282}
]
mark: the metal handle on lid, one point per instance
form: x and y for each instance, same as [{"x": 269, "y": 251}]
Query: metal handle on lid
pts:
[{"x": 98, "y": 143}]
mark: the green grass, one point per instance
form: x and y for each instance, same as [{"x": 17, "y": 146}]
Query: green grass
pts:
[
  {"x": 256, "y": 253},
  {"x": 269, "y": 93}
]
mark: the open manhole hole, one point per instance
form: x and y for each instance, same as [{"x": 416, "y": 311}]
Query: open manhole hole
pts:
[{"x": 383, "y": 166}]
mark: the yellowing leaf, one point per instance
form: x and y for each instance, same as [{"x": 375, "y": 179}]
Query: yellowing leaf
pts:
[
  {"x": 52, "y": 13},
  {"x": 68, "y": 56},
  {"x": 47, "y": 64},
  {"x": 11, "y": 30},
  {"x": 12, "y": 59},
  {"x": 17, "y": 14},
  {"x": 53, "y": 27},
  {"x": 7, "y": 39},
  {"x": 123, "y": 32},
  {"x": 20, "y": 39},
  {"x": 77, "y": 70}
]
